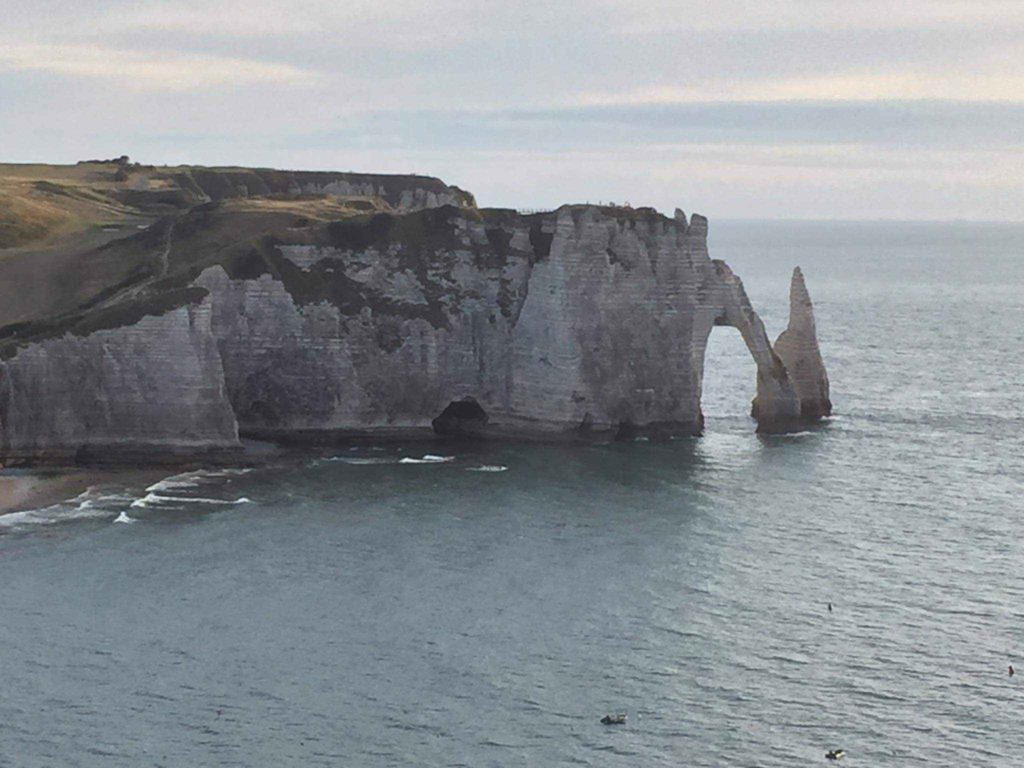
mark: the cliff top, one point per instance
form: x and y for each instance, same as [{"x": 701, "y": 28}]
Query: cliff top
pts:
[{"x": 45, "y": 206}]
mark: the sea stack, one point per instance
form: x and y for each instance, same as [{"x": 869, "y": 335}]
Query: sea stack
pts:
[
  {"x": 797, "y": 347},
  {"x": 797, "y": 351}
]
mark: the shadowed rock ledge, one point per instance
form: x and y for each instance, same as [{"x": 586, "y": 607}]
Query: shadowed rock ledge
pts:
[{"x": 582, "y": 323}]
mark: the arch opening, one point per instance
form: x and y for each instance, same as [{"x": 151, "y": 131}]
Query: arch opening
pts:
[{"x": 729, "y": 381}]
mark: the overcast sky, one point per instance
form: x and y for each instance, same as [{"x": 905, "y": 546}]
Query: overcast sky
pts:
[{"x": 905, "y": 109}]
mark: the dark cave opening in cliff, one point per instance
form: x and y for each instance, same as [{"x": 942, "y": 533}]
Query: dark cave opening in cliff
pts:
[
  {"x": 730, "y": 380},
  {"x": 461, "y": 418}
]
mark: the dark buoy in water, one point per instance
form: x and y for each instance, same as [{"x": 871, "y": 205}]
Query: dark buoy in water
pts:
[
  {"x": 834, "y": 754},
  {"x": 616, "y": 719},
  {"x": 830, "y": 607},
  {"x": 1011, "y": 671}
]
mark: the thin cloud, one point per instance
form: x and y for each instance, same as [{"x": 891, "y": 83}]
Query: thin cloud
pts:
[
  {"x": 939, "y": 125},
  {"x": 843, "y": 87},
  {"x": 147, "y": 70},
  {"x": 655, "y": 16},
  {"x": 396, "y": 24}
]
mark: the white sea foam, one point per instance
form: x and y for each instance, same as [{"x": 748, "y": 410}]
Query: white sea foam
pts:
[
  {"x": 170, "y": 485},
  {"x": 88, "y": 493},
  {"x": 357, "y": 460},
  {"x": 148, "y": 500},
  {"x": 116, "y": 498},
  {"x": 55, "y": 513},
  {"x": 15, "y": 518},
  {"x": 156, "y": 499},
  {"x": 427, "y": 459},
  {"x": 97, "y": 503},
  {"x": 94, "y": 498},
  {"x": 488, "y": 468},
  {"x": 195, "y": 478},
  {"x": 176, "y": 482}
]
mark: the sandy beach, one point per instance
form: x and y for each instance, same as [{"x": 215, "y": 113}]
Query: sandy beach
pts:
[{"x": 23, "y": 489}]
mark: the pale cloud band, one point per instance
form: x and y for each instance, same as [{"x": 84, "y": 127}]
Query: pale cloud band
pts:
[
  {"x": 136, "y": 70},
  {"x": 853, "y": 86}
]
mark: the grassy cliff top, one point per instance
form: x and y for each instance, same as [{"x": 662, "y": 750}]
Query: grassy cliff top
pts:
[
  {"x": 69, "y": 232},
  {"x": 43, "y": 205}
]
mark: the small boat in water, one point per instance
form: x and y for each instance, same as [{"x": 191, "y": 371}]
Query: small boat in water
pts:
[
  {"x": 834, "y": 754},
  {"x": 616, "y": 719}
]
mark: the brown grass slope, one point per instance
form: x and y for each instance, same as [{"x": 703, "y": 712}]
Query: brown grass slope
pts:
[
  {"x": 150, "y": 271},
  {"x": 75, "y": 238}
]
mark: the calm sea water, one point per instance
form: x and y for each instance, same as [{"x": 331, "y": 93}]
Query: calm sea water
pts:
[{"x": 351, "y": 610}]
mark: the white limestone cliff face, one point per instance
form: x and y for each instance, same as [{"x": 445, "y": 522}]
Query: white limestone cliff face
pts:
[
  {"x": 602, "y": 329},
  {"x": 615, "y": 327},
  {"x": 411, "y": 199},
  {"x": 797, "y": 347},
  {"x": 585, "y": 321},
  {"x": 151, "y": 389},
  {"x": 401, "y": 192}
]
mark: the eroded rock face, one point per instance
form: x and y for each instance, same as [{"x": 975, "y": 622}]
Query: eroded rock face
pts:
[
  {"x": 586, "y": 321},
  {"x": 401, "y": 192},
  {"x": 797, "y": 347},
  {"x": 152, "y": 389}
]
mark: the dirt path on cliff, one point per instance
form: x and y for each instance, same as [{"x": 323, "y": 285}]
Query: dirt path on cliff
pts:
[{"x": 165, "y": 254}]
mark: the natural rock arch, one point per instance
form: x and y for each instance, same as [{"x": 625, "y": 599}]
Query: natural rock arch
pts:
[{"x": 792, "y": 385}]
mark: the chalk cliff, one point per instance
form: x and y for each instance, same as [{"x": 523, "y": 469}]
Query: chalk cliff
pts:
[
  {"x": 797, "y": 347},
  {"x": 153, "y": 389},
  {"x": 188, "y": 185},
  {"x": 583, "y": 322}
]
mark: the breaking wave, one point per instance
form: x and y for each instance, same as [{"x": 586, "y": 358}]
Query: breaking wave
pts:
[
  {"x": 429, "y": 458},
  {"x": 91, "y": 503},
  {"x": 358, "y": 460},
  {"x": 114, "y": 504},
  {"x": 193, "y": 479},
  {"x": 156, "y": 499},
  {"x": 488, "y": 468}
]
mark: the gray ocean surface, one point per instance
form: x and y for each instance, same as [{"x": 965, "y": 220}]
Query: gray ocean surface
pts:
[{"x": 342, "y": 608}]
